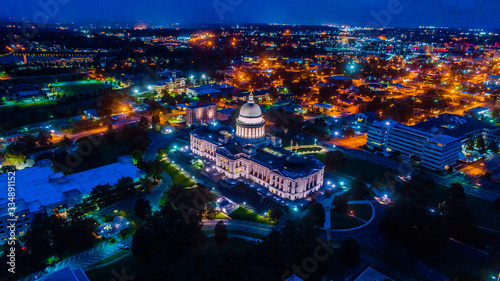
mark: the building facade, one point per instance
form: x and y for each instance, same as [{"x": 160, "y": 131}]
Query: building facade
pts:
[
  {"x": 200, "y": 114},
  {"x": 247, "y": 152},
  {"x": 435, "y": 151}
]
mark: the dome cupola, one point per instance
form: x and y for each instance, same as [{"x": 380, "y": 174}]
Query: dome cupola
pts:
[{"x": 250, "y": 123}]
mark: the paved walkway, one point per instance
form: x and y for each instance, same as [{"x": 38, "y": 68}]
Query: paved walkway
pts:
[
  {"x": 328, "y": 207},
  {"x": 241, "y": 225},
  {"x": 240, "y": 237}
]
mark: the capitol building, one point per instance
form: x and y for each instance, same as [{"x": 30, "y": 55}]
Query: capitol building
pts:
[{"x": 248, "y": 152}]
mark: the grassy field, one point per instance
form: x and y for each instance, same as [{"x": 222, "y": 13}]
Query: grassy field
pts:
[
  {"x": 22, "y": 105},
  {"x": 344, "y": 221},
  {"x": 483, "y": 210},
  {"x": 355, "y": 167},
  {"x": 452, "y": 260},
  {"x": 245, "y": 214},
  {"x": 81, "y": 87},
  {"x": 177, "y": 176},
  {"x": 220, "y": 216},
  {"x": 130, "y": 264}
]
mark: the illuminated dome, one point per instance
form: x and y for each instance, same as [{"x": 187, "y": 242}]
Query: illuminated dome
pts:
[
  {"x": 250, "y": 123},
  {"x": 250, "y": 110}
]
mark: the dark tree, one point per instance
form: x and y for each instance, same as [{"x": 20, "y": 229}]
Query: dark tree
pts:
[
  {"x": 155, "y": 120},
  {"x": 469, "y": 145},
  {"x": 335, "y": 160},
  {"x": 210, "y": 211},
  {"x": 349, "y": 133},
  {"x": 456, "y": 191},
  {"x": 146, "y": 185},
  {"x": 457, "y": 215},
  {"x": 220, "y": 231},
  {"x": 64, "y": 143},
  {"x": 154, "y": 170},
  {"x": 275, "y": 214},
  {"x": 419, "y": 188},
  {"x": 168, "y": 235},
  {"x": 350, "y": 252},
  {"x": 137, "y": 156},
  {"x": 493, "y": 146},
  {"x": 110, "y": 135},
  {"x": 414, "y": 226},
  {"x": 480, "y": 144},
  {"x": 28, "y": 142},
  {"x": 340, "y": 204},
  {"x": 316, "y": 214},
  {"x": 142, "y": 208},
  {"x": 143, "y": 122},
  {"x": 359, "y": 190},
  {"x": 43, "y": 139}
]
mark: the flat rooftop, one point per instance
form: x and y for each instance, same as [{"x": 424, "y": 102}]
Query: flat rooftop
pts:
[
  {"x": 371, "y": 274},
  {"x": 453, "y": 125},
  {"x": 283, "y": 162},
  {"x": 35, "y": 188}
]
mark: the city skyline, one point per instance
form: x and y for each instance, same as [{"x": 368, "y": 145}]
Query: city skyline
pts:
[
  {"x": 390, "y": 13},
  {"x": 250, "y": 140}
]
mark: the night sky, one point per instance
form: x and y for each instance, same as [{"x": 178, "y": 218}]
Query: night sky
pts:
[{"x": 405, "y": 13}]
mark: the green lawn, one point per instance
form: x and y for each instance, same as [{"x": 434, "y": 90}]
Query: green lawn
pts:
[
  {"x": 355, "y": 167},
  {"x": 126, "y": 233},
  {"x": 245, "y": 214},
  {"x": 344, "y": 221},
  {"x": 483, "y": 210},
  {"x": 81, "y": 87},
  {"x": 310, "y": 149},
  {"x": 10, "y": 106},
  {"x": 362, "y": 211},
  {"x": 177, "y": 176},
  {"x": 452, "y": 260},
  {"x": 221, "y": 216}
]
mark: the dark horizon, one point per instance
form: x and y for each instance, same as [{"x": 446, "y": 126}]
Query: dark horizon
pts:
[{"x": 480, "y": 14}]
